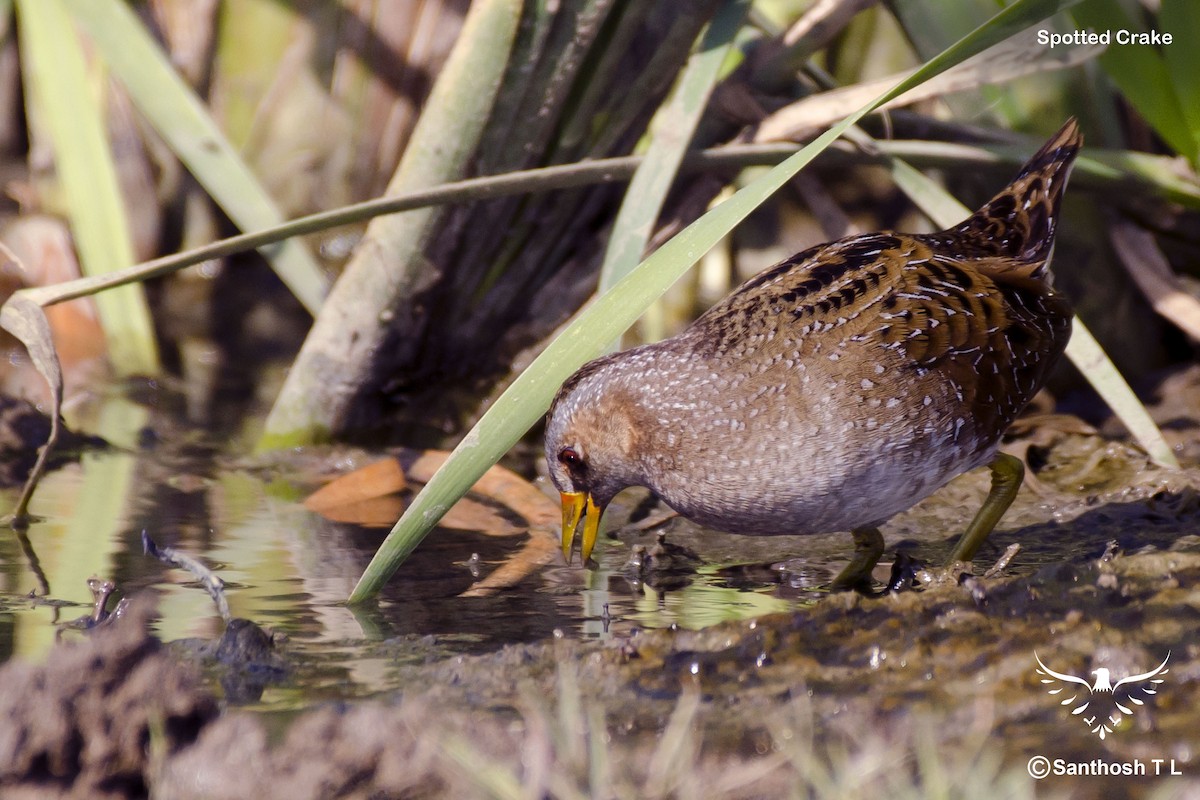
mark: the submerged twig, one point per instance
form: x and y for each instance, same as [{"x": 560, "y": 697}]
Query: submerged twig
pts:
[
  {"x": 1004, "y": 560},
  {"x": 211, "y": 581},
  {"x": 19, "y": 520},
  {"x": 21, "y": 529}
]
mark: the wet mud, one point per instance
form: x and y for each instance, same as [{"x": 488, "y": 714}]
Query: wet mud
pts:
[{"x": 920, "y": 693}]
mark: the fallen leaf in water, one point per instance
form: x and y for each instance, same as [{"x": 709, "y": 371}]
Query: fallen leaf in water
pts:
[
  {"x": 366, "y": 483},
  {"x": 537, "y": 552},
  {"x": 370, "y": 496},
  {"x": 1028, "y": 424},
  {"x": 373, "y": 512},
  {"x": 502, "y": 485},
  {"x": 471, "y": 515},
  {"x": 513, "y": 492}
]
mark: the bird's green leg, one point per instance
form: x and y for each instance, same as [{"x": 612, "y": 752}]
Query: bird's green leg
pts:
[
  {"x": 1007, "y": 474},
  {"x": 868, "y": 547}
]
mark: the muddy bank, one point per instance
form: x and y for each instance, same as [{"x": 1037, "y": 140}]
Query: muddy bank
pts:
[
  {"x": 923, "y": 693},
  {"x": 94, "y": 719},
  {"x": 902, "y": 694}
]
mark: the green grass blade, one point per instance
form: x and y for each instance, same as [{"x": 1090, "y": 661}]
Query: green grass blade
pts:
[
  {"x": 670, "y": 132},
  {"x": 1122, "y": 171},
  {"x": 171, "y": 107},
  {"x": 61, "y": 97},
  {"x": 1087, "y": 355},
  {"x": 1141, "y": 74},
  {"x": 1183, "y": 60},
  {"x": 1135, "y": 174},
  {"x": 515, "y": 411}
]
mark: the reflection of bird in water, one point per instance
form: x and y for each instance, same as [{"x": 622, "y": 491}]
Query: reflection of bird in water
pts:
[
  {"x": 837, "y": 388},
  {"x": 1108, "y": 701}
]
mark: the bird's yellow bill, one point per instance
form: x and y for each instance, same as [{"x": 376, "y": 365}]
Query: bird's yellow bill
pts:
[{"x": 574, "y": 506}]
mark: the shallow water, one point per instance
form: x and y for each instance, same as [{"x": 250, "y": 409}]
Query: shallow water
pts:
[
  {"x": 858, "y": 673},
  {"x": 289, "y": 570}
]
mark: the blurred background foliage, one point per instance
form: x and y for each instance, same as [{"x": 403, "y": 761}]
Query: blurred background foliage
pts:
[{"x": 130, "y": 130}]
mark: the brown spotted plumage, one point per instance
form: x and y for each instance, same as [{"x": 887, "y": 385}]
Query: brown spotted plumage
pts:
[{"x": 837, "y": 388}]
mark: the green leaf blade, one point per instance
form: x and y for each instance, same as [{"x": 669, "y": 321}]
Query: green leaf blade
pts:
[
  {"x": 161, "y": 95},
  {"x": 671, "y": 132},
  {"x": 520, "y": 407},
  {"x": 1142, "y": 75},
  {"x": 58, "y": 87},
  {"x": 1179, "y": 18}
]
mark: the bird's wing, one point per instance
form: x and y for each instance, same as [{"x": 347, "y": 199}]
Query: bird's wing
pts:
[
  {"x": 1136, "y": 688},
  {"x": 1062, "y": 676}
]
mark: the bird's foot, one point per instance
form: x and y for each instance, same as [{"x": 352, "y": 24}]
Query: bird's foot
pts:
[
  {"x": 1007, "y": 474},
  {"x": 905, "y": 572},
  {"x": 868, "y": 547}
]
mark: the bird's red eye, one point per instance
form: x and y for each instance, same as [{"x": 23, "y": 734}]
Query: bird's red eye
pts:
[{"x": 570, "y": 458}]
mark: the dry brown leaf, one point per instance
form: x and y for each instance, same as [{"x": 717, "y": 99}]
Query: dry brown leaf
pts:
[
  {"x": 372, "y": 481},
  {"x": 382, "y": 512},
  {"x": 373, "y": 512},
  {"x": 472, "y": 515},
  {"x": 43, "y": 247},
  {"x": 370, "y": 497},
  {"x": 536, "y": 552},
  {"x": 501, "y": 485},
  {"x": 515, "y": 493},
  {"x": 24, "y": 319}
]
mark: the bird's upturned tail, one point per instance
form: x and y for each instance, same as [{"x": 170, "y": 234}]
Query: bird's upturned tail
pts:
[{"x": 1019, "y": 222}]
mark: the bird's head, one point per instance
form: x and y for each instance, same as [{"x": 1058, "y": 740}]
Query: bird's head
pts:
[{"x": 591, "y": 446}]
